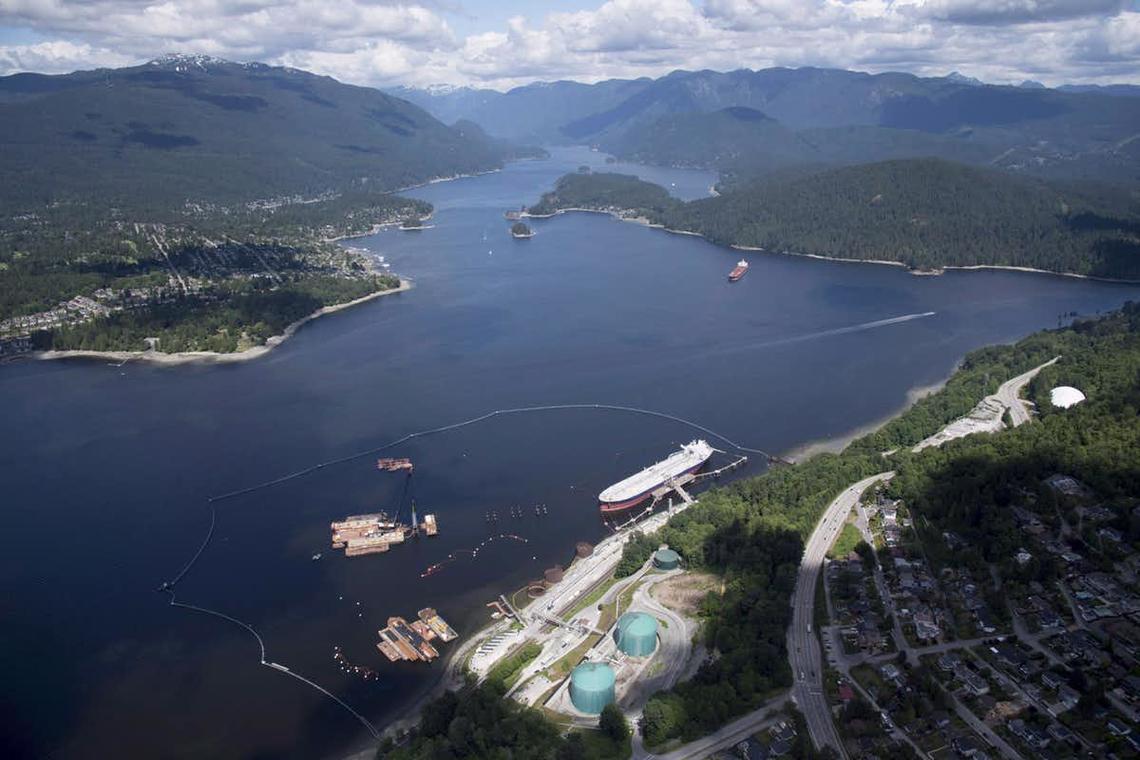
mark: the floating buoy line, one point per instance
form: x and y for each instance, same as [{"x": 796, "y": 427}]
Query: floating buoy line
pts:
[
  {"x": 168, "y": 587},
  {"x": 473, "y": 552}
]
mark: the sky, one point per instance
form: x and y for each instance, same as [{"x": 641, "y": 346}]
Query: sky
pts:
[{"x": 502, "y": 44}]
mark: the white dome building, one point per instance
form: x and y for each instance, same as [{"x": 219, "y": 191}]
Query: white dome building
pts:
[{"x": 1064, "y": 396}]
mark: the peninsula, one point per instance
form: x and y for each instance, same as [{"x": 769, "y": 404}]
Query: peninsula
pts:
[{"x": 927, "y": 214}]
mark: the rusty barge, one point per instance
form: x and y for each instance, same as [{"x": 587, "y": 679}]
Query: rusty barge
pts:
[{"x": 404, "y": 641}]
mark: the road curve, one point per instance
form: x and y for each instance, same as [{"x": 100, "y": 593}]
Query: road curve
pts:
[
  {"x": 1009, "y": 394},
  {"x": 727, "y": 736},
  {"x": 803, "y": 646}
]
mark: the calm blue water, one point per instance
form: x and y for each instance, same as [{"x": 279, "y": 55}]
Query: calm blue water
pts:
[{"x": 106, "y": 469}]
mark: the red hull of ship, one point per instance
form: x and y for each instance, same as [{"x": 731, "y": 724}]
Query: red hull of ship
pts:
[{"x": 611, "y": 507}]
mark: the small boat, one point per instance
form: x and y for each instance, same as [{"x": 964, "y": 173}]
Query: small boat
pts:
[
  {"x": 740, "y": 271},
  {"x": 316, "y": 556}
]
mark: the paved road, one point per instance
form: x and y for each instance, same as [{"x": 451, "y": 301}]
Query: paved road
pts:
[
  {"x": 728, "y": 736},
  {"x": 1009, "y": 394},
  {"x": 674, "y": 647},
  {"x": 982, "y": 729},
  {"x": 863, "y": 523},
  {"x": 803, "y": 646}
]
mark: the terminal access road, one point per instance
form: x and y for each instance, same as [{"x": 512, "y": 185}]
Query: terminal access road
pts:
[
  {"x": 803, "y": 646},
  {"x": 1009, "y": 394}
]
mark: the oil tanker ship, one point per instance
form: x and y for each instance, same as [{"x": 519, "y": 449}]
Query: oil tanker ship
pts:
[
  {"x": 740, "y": 271},
  {"x": 637, "y": 488}
]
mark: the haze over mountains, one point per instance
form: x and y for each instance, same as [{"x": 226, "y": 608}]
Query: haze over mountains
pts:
[{"x": 758, "y": 120}]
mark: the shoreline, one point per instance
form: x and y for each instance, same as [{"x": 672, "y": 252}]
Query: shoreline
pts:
[
  {"x": 158, "y": 358},
  {"x": 837, "y": 443},
  {"x": 881, "y": 262},
  {"x": 437, "y": 180},
  {"x": 378, "y": 227}
]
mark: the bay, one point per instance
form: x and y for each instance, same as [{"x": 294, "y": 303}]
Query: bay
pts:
[{"x": 107, "y": 469}]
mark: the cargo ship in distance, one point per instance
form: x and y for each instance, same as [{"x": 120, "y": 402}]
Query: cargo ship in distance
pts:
[
  {"x": 637, "y": 488},
  {"x": 740, "y": 271}
]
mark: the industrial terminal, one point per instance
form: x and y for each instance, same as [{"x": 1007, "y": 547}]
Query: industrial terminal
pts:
[
  {"x": 378, "y": 532},
  {"x": 603, "y": 639}
]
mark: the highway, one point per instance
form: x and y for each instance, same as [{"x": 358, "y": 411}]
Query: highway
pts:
[
  {"x": 1009, "y": 394},
  {"x": 803, "y": 646},
  {"x": 728, "y": 736}
]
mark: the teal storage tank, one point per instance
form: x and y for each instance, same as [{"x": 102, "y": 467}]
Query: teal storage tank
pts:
[
  {"x": 592, "y": 687},
  {"x": 636, "y": 634},
  {"x": 666, "y": 559}
]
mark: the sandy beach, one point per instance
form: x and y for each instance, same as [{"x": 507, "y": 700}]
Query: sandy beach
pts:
[{"x": 837, "y": 443}]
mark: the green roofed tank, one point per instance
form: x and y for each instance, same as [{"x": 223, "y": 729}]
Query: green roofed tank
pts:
[
  {"x": 592, "y": 687},
  {"x": 636, "y": 634},
  {"x": 666, "y": 559}
]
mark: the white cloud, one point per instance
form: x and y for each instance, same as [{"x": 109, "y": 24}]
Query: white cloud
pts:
[
  {"x": 388, "y": 41},
  {"x": 58, "y": 57}
]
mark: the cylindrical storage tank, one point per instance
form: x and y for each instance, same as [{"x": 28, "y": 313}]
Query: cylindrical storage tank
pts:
[
  {"x": 584, "y": 549},
  {"x": 554, "y": 574},
  {"x": 666, "y": 559},
  {"x": 636, "y": 634},
  {"x": 592, "y": 687}
]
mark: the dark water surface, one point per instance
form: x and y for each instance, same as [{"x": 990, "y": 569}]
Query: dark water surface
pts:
[{"x": 105, "y": 470}]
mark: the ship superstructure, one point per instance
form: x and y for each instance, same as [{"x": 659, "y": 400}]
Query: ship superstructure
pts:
[{"x": 639, "y": 487}]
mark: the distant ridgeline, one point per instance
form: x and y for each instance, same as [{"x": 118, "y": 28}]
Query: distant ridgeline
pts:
[
  {"x": 181, "y": 179},
  {"x": 746, "y": 122},
  {"x": 925, "y": 213}
]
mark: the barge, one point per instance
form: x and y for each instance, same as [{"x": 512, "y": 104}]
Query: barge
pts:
[
  {"x": 404, "y": 641},
  {"x": 375, "y": 533}
]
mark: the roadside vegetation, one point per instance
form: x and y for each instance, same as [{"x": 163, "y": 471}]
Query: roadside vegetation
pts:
[
  {"x": 507, "y": 672},
  {"x": 750, "y": 533}
]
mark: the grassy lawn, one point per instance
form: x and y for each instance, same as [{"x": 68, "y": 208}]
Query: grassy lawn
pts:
[
  {"x": 562, "y": 668},
  {"x": 845, "y": 542},
  {"x": 510, "y": 668},
  {"x": 819, "y": 615},
  {"x": 591, "y": 598},
  {"x": 625, "y": 598},
  {"x": 602, "y": 747},
  {"x": 867, "y": 677}
]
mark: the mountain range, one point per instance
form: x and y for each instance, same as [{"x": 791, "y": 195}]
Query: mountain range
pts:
[
  {"x": 772, "y": 118},
  {"x": 203, "y": 130}
]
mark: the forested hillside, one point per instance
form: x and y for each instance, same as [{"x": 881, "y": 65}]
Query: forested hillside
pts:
[
  {"x": 201, "y": 130},
  {"x": 969, "y": 485},
  {"x": 924, "y": 213},
  {"x": 191, "y": 199},
  {"x": 836, "y": 117},
  {"x": 751, "y": 532}
]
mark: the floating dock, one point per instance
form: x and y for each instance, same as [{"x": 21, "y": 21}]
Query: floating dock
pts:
[
  {"x": 374, "y": 533},
  {"x": 394, "y": 465},
  {"x": 406, "y": 641},
  {"x": 437, "y": 624}
]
